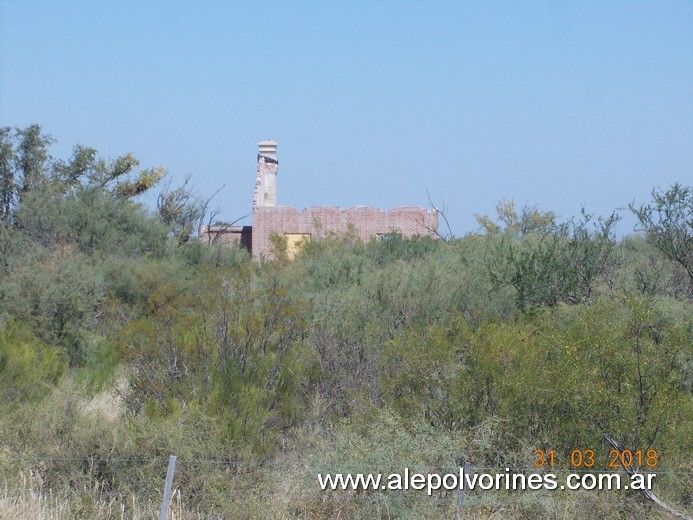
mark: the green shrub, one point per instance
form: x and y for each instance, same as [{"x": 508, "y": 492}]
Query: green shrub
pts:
[{"x": 28, "y": 367}]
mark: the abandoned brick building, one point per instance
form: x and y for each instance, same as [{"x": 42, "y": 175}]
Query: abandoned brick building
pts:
[{"x": 300, "y": 226}]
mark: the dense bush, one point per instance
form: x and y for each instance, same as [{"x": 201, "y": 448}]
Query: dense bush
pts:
[
  {"x": 123, "y": 341},
  {"x": 28, "y": 366}
]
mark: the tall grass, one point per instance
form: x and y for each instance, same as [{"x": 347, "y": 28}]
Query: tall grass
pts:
[{"x": 31, "y": 501}]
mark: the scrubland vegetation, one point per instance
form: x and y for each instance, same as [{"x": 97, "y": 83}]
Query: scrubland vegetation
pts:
[{"x": 124, "y": 340}]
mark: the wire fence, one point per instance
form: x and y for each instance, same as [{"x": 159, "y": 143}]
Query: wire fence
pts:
[
  {"x": 353, "y": 468},
  {"x": 35, "y": 474}
]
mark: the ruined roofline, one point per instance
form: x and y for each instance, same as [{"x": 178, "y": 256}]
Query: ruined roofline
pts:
[
  {"x": 223, "y": 228},
  {"x": 353, "y": 209}
]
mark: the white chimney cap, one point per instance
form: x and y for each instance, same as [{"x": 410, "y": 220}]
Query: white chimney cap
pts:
[{"x": 268, "y": 147}]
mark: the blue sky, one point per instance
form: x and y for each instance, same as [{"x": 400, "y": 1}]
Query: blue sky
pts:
[{"x": 554, "y": 103}]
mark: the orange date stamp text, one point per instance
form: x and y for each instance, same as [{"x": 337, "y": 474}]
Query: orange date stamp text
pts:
[{"x": 589, "y": 459}]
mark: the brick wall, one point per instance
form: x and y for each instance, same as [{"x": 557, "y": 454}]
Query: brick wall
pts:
[
  {"x": 320, "y": 221},
  {"x": 236, "y": 236}
]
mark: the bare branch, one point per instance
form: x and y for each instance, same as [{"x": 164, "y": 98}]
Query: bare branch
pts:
[
  {"x": 648, "y": 494},
  {"x": 442, "y": 213}
]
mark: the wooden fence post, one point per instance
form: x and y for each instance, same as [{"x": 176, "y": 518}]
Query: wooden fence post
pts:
[
  {"x": 460, "y": 495},
  {"x": 167, "y": 487}
]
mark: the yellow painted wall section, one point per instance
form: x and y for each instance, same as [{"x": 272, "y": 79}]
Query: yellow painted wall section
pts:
[{"x": 294, "y": 243}]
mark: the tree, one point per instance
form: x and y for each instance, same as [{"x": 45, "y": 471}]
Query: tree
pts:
[
  {"x": 530, "y": 219},
  {"x": 181, "y": 210},
  {"x": 26, "y": 167},
  {"x": 668, "y": 224},
  {"x": 551, "y": 263},
  {"x": 588, "y": 252},
  {"x": 86, "y": 170},
  {"x": 7, "y": 173},
  {"x": 32, "y": 157},
  {"x": 24, "y": 161}
]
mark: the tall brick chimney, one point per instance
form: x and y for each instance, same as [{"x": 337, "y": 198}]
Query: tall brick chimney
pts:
[{"x": 266, "y": 180}]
